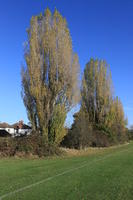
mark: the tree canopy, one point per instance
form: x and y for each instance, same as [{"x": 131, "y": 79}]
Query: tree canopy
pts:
[
  {"x": 51, "y": 87},
  {"x": 50, "y": 78},
  {"x": 101, "y": 120}
]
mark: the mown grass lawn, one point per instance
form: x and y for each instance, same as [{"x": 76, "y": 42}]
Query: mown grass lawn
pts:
[{"x": 106, "y": 174}]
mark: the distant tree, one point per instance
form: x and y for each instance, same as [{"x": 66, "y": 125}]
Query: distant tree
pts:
[
  {"x": 119, "y": 121},
  {"x": 104, "y": 112},
  {"x": 50, "y": 80}
]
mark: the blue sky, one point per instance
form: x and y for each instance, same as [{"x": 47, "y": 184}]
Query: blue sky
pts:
[{"x": 99, "y": 29}]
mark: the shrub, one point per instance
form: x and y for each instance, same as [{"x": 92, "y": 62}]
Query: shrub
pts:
[
  {"x": 33, "y": 144},
  {"x": 79, "y": 136}
]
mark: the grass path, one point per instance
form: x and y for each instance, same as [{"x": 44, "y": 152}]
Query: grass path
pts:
[{"x": 103, "y": 175}]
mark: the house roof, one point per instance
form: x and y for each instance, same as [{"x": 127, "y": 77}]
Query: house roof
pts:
[
  {"x": 5, "y": 125},
  {"x": 15, "y": 126},
  {"x": 24, "y": 126}
]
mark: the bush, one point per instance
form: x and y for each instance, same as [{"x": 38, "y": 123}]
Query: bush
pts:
[
  {"x": 28, "y": 145},
  {"x": 83, "y": 134},
  {"x": 130, "y": 134},
  {"x": 7, "y": 147},
  {"x": 79, "y": 136},
  {"x": 100, "y": 139}
]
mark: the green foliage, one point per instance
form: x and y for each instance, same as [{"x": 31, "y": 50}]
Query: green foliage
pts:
[
  {"x": 96, "y": 90},
  {"x": 130, "y": 133},
  {"x": 80, "y": 134},
  {"x": 99, "y": 110},
  {"x": 57, "y": 130},
  {"x": 33, "y": 145},
  {"x": 50, "y": 88},
  {"x": 50, "y": 77}
]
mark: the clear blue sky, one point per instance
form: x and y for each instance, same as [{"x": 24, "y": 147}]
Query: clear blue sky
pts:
[{"x": 99, "y": 28}]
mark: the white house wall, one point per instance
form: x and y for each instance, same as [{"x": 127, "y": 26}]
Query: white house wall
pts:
[
  {"x": 23, "y": 131},
  {"x": 9, "y": 130},
  {"x": 13, "y": 131}
]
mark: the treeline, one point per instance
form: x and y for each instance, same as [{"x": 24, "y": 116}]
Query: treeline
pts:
[{"x": 51, "y": 87}]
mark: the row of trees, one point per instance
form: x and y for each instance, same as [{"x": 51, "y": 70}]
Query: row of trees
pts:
[{"x": 51, "y": 87}]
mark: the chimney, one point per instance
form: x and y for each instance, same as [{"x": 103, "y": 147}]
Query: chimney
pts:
[{"x": 20, "y": 124}]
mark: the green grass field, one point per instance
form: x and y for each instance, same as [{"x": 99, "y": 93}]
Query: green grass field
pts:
[{"x": 106, "y": 174}]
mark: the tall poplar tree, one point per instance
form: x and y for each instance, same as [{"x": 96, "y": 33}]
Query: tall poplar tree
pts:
[
  {"x": 105, "y": 112},
  {"x": 50, "y": 85},
  {"x": 97, "y": 90}
]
